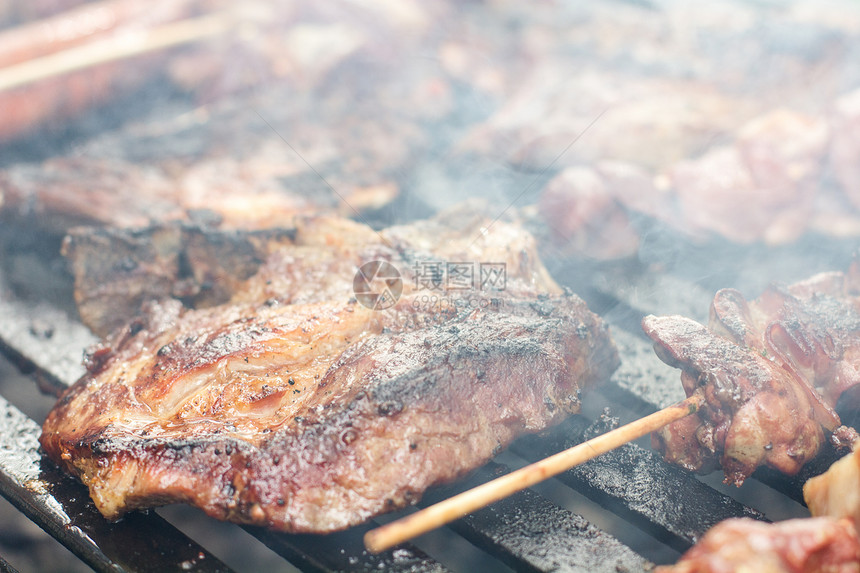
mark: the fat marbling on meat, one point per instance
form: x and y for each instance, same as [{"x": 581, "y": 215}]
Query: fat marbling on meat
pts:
[{"x": 313, "y": 414}]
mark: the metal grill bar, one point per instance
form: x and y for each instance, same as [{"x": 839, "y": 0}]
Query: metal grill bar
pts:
[
  {"x": 637, "y": 485},
  {"x": 5, "y": 567},
  {"x": 43, "y": 341},
  {"x": 530, "y": 533},
  {"x": 344, "y": 551}
]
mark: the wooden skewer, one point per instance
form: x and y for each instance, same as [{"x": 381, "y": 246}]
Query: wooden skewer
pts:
[
  {"x": 437, "y": 515},
  {"x": 116, "y": 47}
]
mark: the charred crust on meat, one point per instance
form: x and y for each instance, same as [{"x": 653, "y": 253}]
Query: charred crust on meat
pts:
[
  {"x": 389, "y": 408},
  {"x": 399, "y": 371}
]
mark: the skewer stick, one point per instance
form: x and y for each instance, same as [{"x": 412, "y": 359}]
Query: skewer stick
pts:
[
  {"x": 117, "y": 47},
  {"x": 429, "y": 518}
]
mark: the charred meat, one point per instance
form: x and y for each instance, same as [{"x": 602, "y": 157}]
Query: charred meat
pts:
[
  {"x": 295, "y": 406},
  {"x": 771, "y": 370},
  {"x": 316, "y": 417}
]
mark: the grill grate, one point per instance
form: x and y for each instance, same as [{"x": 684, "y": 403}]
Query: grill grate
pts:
[
  {"x": 528, "y": 532},
  {"x": 5, "y": 567}
]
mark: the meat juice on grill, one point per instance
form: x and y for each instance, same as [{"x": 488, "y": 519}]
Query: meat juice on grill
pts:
[{"x": 300, "y": 409}]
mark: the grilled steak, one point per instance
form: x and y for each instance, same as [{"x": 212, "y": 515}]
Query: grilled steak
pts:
[
  {"x": 772, "y": 371},
  {"x": 316, "y": 417},
  {"x": 295, "y": 406}
]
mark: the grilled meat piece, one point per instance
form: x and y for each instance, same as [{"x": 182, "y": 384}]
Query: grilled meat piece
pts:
[
  {"x": 836, "y": 492},
  {"x": 584, "y": 218},
  {"x": 295, "y": 406},
  {"x": 116, "y": 270},
  {"x": 773, "y": 169},
  {"x": 818, "y": 545},
  {"x": 811, "y": 327},
  {"x": 845, "y": 147},
  {"x": 772, "y": 371},
  {"x": 316, "y": 417},
  {"x": 756, "y": 413}
]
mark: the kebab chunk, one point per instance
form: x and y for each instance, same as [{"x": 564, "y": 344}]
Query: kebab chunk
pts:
[
  {"x": 771, "y": 371},
  {"x": 826, "y": 542},
  {"x": 812, "y": 328},
  {"x": 315, "y": 417},
  {"x": 755, "y": 414},
  {"x": 817, "y": 545},
  {"x": 836, "y": 492}
]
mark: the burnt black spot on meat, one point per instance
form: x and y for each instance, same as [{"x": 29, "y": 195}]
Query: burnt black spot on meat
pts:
[
  {"x": 543, "y": 310},
  {"x": 390, "y": 408}
]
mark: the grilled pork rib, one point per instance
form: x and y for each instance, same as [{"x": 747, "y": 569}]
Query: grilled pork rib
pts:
[
  {"x": 296, "y": 407},
  {"x": 771, "y": 370}
]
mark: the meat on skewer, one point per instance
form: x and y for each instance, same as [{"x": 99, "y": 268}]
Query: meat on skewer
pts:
[
  {"x": 828, "y": 541},
  {"x": 772, "y": 371},
  {"x": 804, "y": 545}
]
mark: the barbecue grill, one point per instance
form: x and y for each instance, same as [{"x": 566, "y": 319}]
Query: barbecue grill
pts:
[
  {"x": 639, "y": 509},
  {"x": 624, "y": 511}
]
